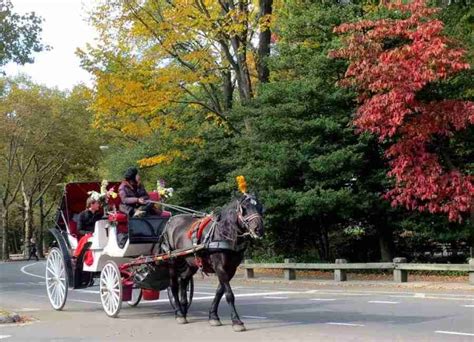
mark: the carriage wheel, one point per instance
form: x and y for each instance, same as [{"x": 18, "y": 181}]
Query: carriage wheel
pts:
[
  {"x": 110, "y": 288},
  {"x": 56, "y": 279},
  {"x": 136, "y": 297},
  {"x": 189, "y": 294}
]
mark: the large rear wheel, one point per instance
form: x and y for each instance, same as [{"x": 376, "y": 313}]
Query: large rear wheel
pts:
[
  {"x": 56, "y": 279},
  {"x": 189, "y": 294},
  {"x": 110, "y": 288}
]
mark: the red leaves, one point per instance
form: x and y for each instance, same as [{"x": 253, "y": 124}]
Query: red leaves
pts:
[{"x": 388, "y": 79}]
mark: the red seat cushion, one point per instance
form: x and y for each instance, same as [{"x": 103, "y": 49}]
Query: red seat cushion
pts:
[
  {"x": 121, "y": 219},
  {"x": 154, "y": 196}
]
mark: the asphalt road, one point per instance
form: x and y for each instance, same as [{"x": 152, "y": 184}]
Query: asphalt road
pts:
[{"x": 271, "y": 312}]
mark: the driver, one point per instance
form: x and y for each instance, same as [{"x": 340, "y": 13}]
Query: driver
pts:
[{"x": 134, "y": 196}]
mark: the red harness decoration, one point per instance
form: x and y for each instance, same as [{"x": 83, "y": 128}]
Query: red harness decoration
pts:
[
  {"x": 199, "y": 226},
  {"x": 88, "y": 258}
]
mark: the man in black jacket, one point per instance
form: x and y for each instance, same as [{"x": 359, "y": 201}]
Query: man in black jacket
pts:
[{"x": 88, "y": 218}]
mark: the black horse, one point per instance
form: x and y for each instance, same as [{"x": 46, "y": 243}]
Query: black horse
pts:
[{"x": 225, "y": 237}]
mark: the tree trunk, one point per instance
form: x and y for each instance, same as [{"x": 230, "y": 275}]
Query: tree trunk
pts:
[
  {"x": 40, "y": 232},
  {"x": 27, "y": 221},
  {"x": 227, "y": 89},
  {"x": 386, "y": 245},
  {"x": 264, "y": 42},
  {"x": 242, "y": 72},
  {"x": 15, "y": 243},
  {"x": 5, "y": 251}
]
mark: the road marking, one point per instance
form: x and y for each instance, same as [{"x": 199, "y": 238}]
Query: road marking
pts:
[
  {"x": 254, "y": 317},
  {"x": 84, "y": 301},
  {"x": 31, "y": 274},
  {"x": 432, "y": 297},
  {"x": 323, "y": 299},
  {"x": 344, "y": 294},
  {"x": 419, "y": 295},
  {"x": 274, "y": 297},
  {"x": 346, "y": 324},
  {"x": 4, "y": 336},
  {"x": 382, "y": 302},
  {"x": 156, "y": 301},
  {"x": 453, "y": 333},
  {"x": 241, "y": 295},
  {"x": 468, "y": 306},
  {"x": 204, "y": 293},
  {"x": 87, "y": 291}
]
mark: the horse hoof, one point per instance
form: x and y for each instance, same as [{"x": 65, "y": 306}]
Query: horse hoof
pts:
[
  {"x": 238, "y": 327},
  {"x": 215, "y": 322},
  {"x": 181, "y": 320}
]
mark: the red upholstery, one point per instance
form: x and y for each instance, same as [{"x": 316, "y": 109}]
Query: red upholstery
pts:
[
  {"x": 114, "y": 203},
  {"x": 165, "y": 213},
  {"x": 154, "y": 196},
  {"x": 88, "y": 257},
  {"x": 121, "y": 219}
]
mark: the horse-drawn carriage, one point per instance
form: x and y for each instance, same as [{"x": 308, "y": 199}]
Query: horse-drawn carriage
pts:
[
  {"x": 136, "y": 258},
  {"x": 112, "y": 254}
]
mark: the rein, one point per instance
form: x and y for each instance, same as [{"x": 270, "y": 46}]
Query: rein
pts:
[{"x": 180, "y": 209}]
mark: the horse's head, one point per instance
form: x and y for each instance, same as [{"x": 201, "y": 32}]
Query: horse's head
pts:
[{"x": 250, "y": 215}]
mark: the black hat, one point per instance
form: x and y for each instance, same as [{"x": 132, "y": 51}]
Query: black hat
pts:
[{"x": 131, "y": 173}]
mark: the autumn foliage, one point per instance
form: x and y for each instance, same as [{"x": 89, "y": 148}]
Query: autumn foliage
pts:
[{"x": 391, "y": 62}]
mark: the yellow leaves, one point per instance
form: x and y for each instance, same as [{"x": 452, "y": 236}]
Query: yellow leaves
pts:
[
  {"x": 167, "y": 158},
  {"x": 136, "y": 129},
  {"x": 265, "y": 22}
]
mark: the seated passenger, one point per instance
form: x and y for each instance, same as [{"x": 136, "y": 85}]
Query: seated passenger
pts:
[
  {"x": 88, "y": 218},
  {"x": 86, "y": 225},
  {"x": 135, "y": 200}
]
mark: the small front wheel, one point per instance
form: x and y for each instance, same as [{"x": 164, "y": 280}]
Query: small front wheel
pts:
[
  {"x": 136, "y": 297},
  {"x": 110, "y": 288}
]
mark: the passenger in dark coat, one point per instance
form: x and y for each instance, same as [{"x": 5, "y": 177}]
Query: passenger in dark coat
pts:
[{"x": 88, "y": 218}]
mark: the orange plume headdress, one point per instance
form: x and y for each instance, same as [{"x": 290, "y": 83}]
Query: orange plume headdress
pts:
[{"x": 242, "y": 184}]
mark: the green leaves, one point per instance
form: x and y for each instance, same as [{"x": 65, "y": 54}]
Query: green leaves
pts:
[{"x": 19, "y": 35}]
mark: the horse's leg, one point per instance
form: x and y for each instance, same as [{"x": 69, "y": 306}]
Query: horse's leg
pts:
[
  {"x": 213, "y": 316},
  {"x": 183, "y": 298},
  {"x": 174, "y": 284},
  {"x": 224, "y": 278}
]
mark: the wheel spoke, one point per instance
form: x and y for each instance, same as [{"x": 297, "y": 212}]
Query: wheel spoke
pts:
[{"x": 50, "y": 270}]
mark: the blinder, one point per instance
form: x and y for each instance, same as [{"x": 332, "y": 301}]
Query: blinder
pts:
[{"x": 246, "y": 220}]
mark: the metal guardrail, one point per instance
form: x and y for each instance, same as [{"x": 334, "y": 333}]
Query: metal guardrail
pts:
[{"x": 399, "y": 266}]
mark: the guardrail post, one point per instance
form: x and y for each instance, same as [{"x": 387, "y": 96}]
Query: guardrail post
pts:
[
  {"x": 289, "y": 273},
  {"x": 471, "y": 271},
  {"x": 340, "y": 275},
  {"x": 399, "y": 276},
  {"x": 248, "y": 271}
]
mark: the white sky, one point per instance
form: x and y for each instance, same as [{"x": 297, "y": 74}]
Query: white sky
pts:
[{"x": 64, "y": 29}]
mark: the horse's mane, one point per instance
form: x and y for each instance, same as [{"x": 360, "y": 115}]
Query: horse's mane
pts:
[{"x": 227, "y": 228}]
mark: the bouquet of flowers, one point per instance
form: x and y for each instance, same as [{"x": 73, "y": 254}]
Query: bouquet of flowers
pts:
[
  {"x": 162, "y": 190},
  {"x": 104, "y": 194}
]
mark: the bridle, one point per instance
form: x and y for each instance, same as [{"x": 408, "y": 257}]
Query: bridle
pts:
[{"x": 247, "y": 219}]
